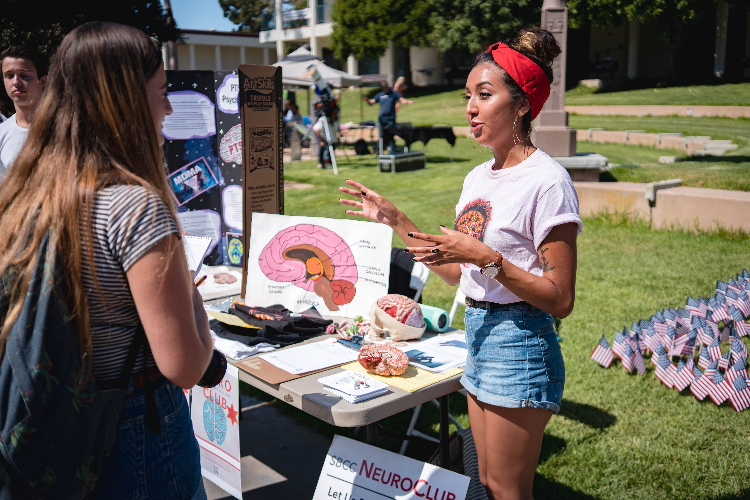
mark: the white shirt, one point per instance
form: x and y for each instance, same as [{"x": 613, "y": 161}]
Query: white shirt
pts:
[
  {"x": 12, "y": 137},
  {"x": 512, "y": 210}
]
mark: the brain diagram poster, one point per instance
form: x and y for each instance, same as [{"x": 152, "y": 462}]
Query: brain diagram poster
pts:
[{"x": 340, "y": 267}]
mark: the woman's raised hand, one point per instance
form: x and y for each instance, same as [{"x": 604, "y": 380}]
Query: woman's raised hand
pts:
[
  {"x": 373, "y": 206},
  {"x": 451, "y": 247}
]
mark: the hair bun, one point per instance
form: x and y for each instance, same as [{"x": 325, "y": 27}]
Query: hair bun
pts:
[{"x": 538, "y": 45}]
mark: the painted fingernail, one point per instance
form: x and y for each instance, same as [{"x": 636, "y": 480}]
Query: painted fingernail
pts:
[
  {"x": 442, "y": 225},
  {"x": 435, "y": 250},
  {"x": 415, "y": 260},
  {"x": 363, "y": 193},
  {"x": 410, "y": 235}
]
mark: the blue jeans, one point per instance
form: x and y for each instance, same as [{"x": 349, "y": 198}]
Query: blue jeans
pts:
[
  {"x": 383, "y": 123},
  {"x": 514, "y": 359},
  {"x": 153, "y": 466}
]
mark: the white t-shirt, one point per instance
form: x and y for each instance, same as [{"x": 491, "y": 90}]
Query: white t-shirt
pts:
[
  {"x": 513, "y": 210},
  {"x": 12, "y": 138}
]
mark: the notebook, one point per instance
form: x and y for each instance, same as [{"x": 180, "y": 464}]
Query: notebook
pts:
[{"x": 196, "y": 249}]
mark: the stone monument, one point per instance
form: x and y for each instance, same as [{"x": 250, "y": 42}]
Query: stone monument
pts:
[{"x": 552, "y": 134}]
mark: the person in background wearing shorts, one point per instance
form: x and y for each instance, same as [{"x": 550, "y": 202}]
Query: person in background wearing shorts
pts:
[
  {"x": 24, "y": 76},
  {"x": 513, "y": 252}
]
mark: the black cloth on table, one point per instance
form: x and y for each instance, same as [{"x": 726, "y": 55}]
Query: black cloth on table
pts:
[
  {"x": 422, "y": 134},
  {"x": 276, "y": 325},
  {"x": 402, "y": 264}
]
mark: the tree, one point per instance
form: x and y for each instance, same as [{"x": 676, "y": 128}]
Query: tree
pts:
[
  {"x": 363, "y": 28},
  {"x": 671, "y": 16},
  {"x": 24, "y": 22},
  {"x": 476, "y": 24},
  {"x": 247, "y": 14}
]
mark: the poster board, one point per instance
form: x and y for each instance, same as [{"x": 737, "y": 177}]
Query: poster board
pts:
[
  {"x": 338, "y": 266},
  {"x": 354, "y": 470},
  {"x": 262, "y": 151},
  {"x": 203, "y": 144},
  {"x": 215, "y": 414}
]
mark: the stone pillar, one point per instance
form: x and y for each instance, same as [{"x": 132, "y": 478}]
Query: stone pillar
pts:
[
  {"x": 191, "y": 50},
  {"x": 551, "y": 132},
  {"x": 279, "y": 32},
  {"x": 242, "y": 55},
  {"x": 266, "y": 60},
  {"x": 165, "y": 56},
  {"x": 313, "y": 6},
  {"x": 351, "y": 65},
  {"x": 217, "y": 57},
  {"x": 634, "y": 34},
  {"x": 720, "y": 54}
]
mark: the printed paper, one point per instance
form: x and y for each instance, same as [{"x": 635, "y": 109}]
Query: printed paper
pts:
[
  {"x": 192, "y": 117},
  {"x": 202, "y": 223},
  {"x": 191, "y": 180}
]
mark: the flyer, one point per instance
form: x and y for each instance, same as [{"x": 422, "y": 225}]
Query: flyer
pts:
[
  {"x": 191, "y": 180},
  {"x": 215, "y": 413}
]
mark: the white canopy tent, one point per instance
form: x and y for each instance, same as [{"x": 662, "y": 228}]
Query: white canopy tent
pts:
[{"x": 296, "y": 63}]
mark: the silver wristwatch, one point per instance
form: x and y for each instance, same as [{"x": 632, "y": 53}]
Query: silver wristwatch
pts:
[{"x": 493, "y": 268}]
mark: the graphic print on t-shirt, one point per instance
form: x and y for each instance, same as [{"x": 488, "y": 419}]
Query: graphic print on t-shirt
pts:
[{"x": 474, "y": 218}]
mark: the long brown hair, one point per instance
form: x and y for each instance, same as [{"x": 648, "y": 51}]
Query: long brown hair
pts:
[{"x": 93, "y": 128}]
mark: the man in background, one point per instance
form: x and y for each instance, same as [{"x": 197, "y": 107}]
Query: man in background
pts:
[
  {"x": 24, "y": 75},
  {"x": 387, "y": 98}
]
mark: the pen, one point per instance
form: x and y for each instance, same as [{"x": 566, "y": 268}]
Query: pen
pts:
[{"x": 200, "y": 281}]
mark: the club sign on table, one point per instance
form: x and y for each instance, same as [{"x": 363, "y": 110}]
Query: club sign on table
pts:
[
  {"x": 356, "y": 471},
  {"x": 215, "y": 414}
]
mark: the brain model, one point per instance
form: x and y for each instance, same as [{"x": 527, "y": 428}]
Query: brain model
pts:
[
  {"x": 398, "y": 316},
  {"x": 383, "y": 359},
  {"x": 313, "y": 258}
]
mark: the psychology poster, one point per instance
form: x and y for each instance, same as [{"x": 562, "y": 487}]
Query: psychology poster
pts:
[
  {"x": 203, "y": 148},
  {"x": 215, "y": 414},
  {"x": 340, "y": 267}
]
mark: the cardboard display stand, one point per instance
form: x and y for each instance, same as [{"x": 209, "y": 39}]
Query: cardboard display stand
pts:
[
  {"x": 262, "y": 152},
  {"x": 203, "y": 145}
]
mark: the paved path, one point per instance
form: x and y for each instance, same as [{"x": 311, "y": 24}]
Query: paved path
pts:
[{"x": 696, "y": 111}]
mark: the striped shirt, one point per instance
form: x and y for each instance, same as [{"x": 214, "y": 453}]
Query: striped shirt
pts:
[{"x": 128, "y": 221}]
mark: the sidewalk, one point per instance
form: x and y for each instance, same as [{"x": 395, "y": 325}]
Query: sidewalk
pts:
[{"x": 693, "y": 111}]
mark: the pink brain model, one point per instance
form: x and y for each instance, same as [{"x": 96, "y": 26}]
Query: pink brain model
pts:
[
  {"x": 383, "y": 359},
  {"x": 313, "y": 258}
]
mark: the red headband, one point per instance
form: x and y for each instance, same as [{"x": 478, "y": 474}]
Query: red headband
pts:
[{"x": 525, "y": 72}]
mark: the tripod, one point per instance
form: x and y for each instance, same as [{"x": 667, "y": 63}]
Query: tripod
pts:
[{"x": 329, "y": 140}]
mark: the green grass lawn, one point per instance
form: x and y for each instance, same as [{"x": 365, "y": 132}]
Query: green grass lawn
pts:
[
  {"x": 618, "y": 436},
  {"x": 727, "y": 94}
]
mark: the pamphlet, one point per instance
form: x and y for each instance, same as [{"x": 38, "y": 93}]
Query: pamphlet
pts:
[
  {"x": 354, "y": 387},
  {"x": 196, "y": 249}
]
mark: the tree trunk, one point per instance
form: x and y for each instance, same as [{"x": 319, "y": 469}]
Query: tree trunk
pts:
[{"x": 407, "y": 65}]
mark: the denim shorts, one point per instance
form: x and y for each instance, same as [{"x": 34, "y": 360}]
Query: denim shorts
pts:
[
  {"x": 514, "y": 359},
  {"x": 153, "y": 466}
]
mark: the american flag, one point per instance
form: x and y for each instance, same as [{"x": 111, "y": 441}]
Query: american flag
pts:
[
  {"x": 682, "y": 317},
  {"x": 635, "y": 331},
  {"x": 721, "y": 389},
  {"x": 733, "y": 298},
  {"x": 740, "y": 397},
  {"x": 659, "y": 352},
  {"x": 695, "y": 307},
  {"x": 742, "y": 329},
  {"x": 732, "y": 285},
  {"x": 703, "y": 384},
  {"x": 618, "y": 348},
  {"x": 665, "y": 370},
  {"x": 652, "y": 339},
  {"x": 638, "y": 362},
  {"x": 714, "y": 349},
  {"x": 724, "y": 361},
  {"x": 744, "y": 303},
  {"x": 670, "y": 317},
  {"x": 738, "y": 369},
  {"x": 627, "y": 358},
  {"x": 719, "y": 310},
  {"x": 746, "y": 274},
  {"x": 736, "y": 314},
  {"x": 603, "y": 354},
  {"x": 738, "y": 350},
  {"x": 721, "y": 287},
  {"x": 704, "y": 360},
  {"x": 679, "y": 344},
  {"x": 684, "y": 375},
  {"x": 711, "y": 325}
]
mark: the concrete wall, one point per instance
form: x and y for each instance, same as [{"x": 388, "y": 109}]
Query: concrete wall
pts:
[{"x": 682, "y": 207}]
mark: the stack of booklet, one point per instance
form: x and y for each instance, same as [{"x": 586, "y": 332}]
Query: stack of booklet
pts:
[{"x": 353, "y": 387}]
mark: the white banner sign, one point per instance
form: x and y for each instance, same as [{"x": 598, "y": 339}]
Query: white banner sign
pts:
[
  {"x": 356, "y": 471},
  {"x": 294, "y": 15},
  {"x": 215, "y": 414}
]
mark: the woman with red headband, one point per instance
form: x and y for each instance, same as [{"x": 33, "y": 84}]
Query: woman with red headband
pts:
[{"x": 513, "y": 251}]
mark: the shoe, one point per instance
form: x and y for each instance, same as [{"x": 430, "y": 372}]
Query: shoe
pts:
[{"x": 320, "y": 165}]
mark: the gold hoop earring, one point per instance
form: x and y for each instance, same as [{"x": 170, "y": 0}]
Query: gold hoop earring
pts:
[
  {"x": 471, "y": 136},
  {"x": 515, "y": 134}
]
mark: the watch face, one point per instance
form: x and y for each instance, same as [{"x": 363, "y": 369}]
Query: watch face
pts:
[{"x": 490, "y": 271}]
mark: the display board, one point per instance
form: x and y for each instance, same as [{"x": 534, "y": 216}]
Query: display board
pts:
[
  {"x": 338, "y": 266},
  {"x": 203, "y": 149},
  {"x": 262, "y": 152},
  {"x": 356, "y": 471}
]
